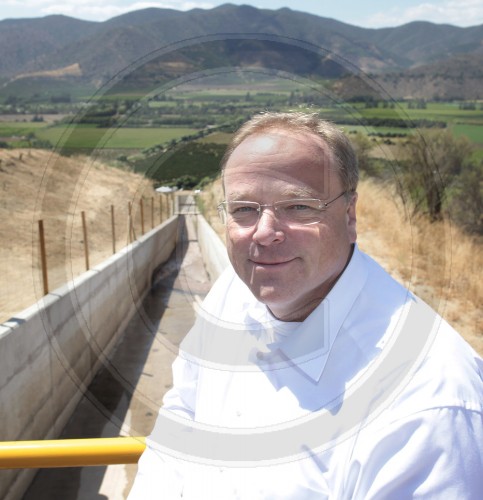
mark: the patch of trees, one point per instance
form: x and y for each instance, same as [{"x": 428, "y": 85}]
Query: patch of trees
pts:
[
  {"x": 438, "y": 175},
  {"x": 417, "y": 104},
  {"x": 435, "y": 175},
  {"x": 102, "y": 116},
  {"x": 392, "y": 122},
  {"x": 60, "y": 98},
  {"x": 470, "y": 106},
  {"x": 183, "y": 121},
  {"x": 186, "y": 164}
]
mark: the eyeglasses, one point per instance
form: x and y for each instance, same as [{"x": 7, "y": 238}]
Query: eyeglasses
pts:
[{"x": 299, "y": 211}]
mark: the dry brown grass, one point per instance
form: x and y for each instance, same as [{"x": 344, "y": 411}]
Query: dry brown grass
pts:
[
  {"x": 438, "y": 261},
  {"x": 39, "y": 185},
  {"x": 210, "y": 197},
  {"x": 71, "y": 70}
]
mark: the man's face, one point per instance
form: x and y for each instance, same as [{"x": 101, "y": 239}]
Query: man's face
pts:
[{"x": 287, "y": 267}]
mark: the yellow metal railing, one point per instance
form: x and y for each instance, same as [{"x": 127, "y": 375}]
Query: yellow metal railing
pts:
[{"x": 70, "y": 452}]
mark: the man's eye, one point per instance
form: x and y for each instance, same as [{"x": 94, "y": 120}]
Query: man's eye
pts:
[
  {"x": 243, "y": 209},
  {"x": 298, "y": 207}
]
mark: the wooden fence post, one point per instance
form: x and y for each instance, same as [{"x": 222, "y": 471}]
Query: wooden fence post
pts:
[
  {"x": 152, "y": 212},
  {"x": 113, "y": 228},
  {"x": 130, "y": 223},
  {"x": 86, "y": 245},
  {"x": 141, "y": 206},
  {"x": 43, "y": 257}
]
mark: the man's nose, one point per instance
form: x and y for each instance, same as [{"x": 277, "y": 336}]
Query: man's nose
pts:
[{"x": 268, "y": 229}]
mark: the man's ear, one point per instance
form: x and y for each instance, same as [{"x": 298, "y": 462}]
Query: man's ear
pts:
[{"x": 352, "y": 218}]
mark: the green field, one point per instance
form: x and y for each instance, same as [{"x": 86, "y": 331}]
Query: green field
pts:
[
  {"x": 473, "y": 132},
  {"x": 216, "y": 138},
  {"x": 113, "y": 138},
  {"x": 185, "y": 111},
  {"x": 10, "y": 129},
  {"x": 445, "y": 112},
  {"x": 91, "y": 137},
  {"x": 19, "y": 134}
]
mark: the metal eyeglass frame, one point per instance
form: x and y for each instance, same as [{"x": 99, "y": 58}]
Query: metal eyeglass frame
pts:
[{"x": 223, "y": 213}]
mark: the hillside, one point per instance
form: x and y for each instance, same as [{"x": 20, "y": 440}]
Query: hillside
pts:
[
  {"x": 458, "y": 77},
  {"x": 37, "y": 184},
  {"x": 101, "y": 50},
  {"x": 25, "y": 41}
]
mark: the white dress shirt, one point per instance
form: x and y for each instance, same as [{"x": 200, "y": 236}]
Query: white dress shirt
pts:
[{"x": 373, "y": 396}]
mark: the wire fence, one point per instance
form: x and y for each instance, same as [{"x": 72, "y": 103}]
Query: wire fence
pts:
[{"x": 149, "y": 213}]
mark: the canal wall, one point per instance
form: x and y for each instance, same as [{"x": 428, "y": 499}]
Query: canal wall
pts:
[
  {"x": 50, "y": 352},
  {"x": 212, "y": 248}
]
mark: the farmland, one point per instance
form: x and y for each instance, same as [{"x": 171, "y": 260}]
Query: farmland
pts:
[
  {"x": 135, "y": 131},
  {"x": 90, "y": 137}
]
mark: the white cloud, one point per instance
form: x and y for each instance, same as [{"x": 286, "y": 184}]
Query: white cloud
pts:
[
  {"x": 98, "y": 11},
  {"x": 456, "y": 12}
]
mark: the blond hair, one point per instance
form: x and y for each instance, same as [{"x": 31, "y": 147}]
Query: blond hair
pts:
[{"x": 337, "y": 142}]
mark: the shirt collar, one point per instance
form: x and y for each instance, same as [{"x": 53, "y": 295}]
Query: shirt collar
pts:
[
  {"x": 215, "y": 338},
  {"x": 308, "y": 347}
]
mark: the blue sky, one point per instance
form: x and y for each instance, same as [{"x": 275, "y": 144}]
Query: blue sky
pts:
[{"x": 370, "y": 14}]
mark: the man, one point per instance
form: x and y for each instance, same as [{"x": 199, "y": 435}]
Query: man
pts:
[{"x": 310, "y": 372}]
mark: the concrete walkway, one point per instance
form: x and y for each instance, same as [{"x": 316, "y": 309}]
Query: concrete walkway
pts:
[{"x": 126, "y": 394}]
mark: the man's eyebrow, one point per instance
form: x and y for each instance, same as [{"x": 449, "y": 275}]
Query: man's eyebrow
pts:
[
  {"x": 286, "y": 193},
  {"x": 298, "y": 192},
  {"x": 237, "y": 195}
]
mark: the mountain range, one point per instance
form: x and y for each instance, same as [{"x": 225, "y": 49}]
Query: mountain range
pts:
[{"x": 418, "y": 59}]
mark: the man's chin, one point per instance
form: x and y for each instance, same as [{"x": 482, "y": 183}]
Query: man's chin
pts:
[{"x": 272, "y": 298}]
